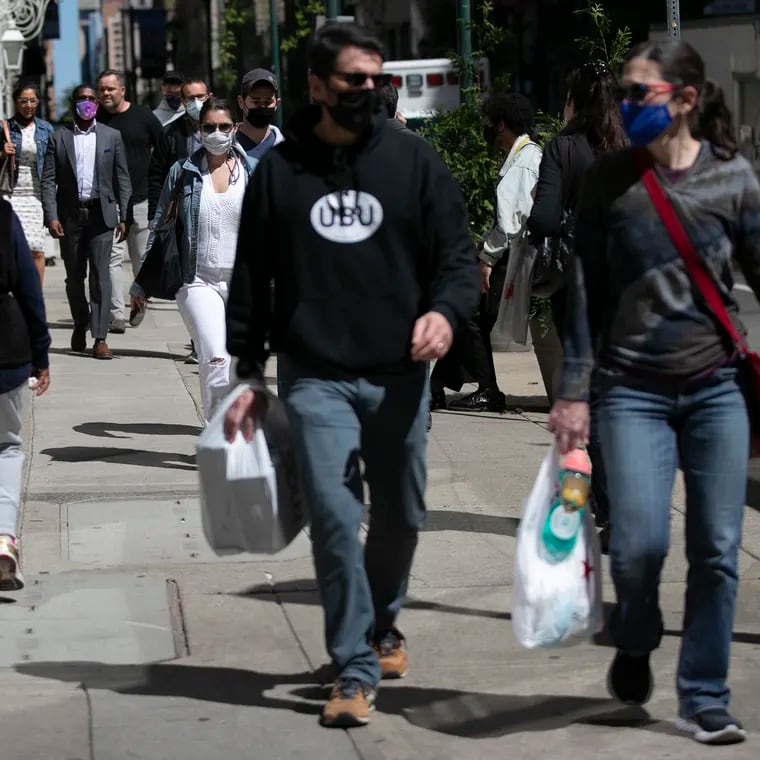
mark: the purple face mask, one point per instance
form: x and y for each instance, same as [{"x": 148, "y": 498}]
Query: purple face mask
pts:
[{"x": 86, "y": 109}]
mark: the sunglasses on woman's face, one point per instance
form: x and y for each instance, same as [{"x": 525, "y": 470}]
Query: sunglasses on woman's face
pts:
[
  {"x": 209, "y": 129},
  {"x": 358, "y": 78},
  {"x": 638, "y": 92}
]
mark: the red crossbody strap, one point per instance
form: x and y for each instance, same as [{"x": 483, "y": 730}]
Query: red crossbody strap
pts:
[{"x": 694, "y": 265}]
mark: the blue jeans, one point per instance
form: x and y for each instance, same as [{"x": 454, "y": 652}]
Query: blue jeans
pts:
[
  {"x": 338, "y": 424},
  {"x": 646, "y": 432}
]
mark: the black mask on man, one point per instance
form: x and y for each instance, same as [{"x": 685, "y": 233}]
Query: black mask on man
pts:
[
  {"x": 260, "y": 117},
  {"x": 490, "y": 134},
  {"x": 174, "y": 101},
  {"x": 355, "y": 109}
]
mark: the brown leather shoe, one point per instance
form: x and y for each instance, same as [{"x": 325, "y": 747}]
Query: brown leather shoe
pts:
[
  {"x": 391, "y": 651},
  {"x": 101, "y": 350},
  {"x": 79, "y": 339},
  {"x": 350, "y": 704}
]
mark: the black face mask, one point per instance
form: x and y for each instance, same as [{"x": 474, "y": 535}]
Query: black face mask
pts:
[
  {"x": 355, "y": 110},
  {"x": 174, "y": 101},
  {"x": 260, "y": 117},
  {"x": 490, "y": 134}
]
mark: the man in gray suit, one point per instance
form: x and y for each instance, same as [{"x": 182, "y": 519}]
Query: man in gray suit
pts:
[{"x": 84, "y": 184}]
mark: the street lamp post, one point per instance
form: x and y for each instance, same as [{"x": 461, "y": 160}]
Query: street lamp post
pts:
[
  {"x": 464, "y": 24},
  {"x": 674, "y": 19},
  {"x": 20, "y": 20}
]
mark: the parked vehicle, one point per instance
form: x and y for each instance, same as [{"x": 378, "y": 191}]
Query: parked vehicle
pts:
[{"x": 430, "y": 85}]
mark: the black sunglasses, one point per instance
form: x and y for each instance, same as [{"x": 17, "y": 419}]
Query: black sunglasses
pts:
[
  {"x": 358, "y": 78},
  {"x": 638, "y": 92},
  {"x": 209, "y": 129}
]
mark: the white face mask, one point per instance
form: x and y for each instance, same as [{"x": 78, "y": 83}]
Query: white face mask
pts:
[
  {"x": 193, "y": 109},
  {"x": 218, "y": 143}
]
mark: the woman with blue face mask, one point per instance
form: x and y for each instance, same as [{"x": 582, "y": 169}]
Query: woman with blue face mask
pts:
[
  {"x": 668, "y": 377},
  {"x": 209, "y": 187}
]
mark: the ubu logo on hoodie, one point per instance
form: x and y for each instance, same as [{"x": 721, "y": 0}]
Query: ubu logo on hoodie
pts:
[{"x": 348, "y": 216}]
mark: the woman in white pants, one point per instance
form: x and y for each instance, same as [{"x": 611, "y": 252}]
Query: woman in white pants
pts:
[
  {"x": 209, "y": 188},
  {"x": 24, "y": 344}
]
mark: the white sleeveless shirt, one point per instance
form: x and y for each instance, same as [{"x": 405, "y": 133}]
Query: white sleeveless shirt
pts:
[{"x": 218, "y": 222}]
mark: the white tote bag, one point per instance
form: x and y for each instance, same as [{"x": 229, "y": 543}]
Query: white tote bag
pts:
[
  {"x": 554, "y": 603},
  {"x": 250, "y": 493},
  {"x": 514, "y": 305}
]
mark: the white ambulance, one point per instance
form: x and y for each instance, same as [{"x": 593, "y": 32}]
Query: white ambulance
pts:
[{"x": 430, "y": 85}]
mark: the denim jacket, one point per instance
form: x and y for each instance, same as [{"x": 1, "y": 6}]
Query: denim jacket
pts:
[
  {"x": 189, "y": 208},
  {"x": 42, "y": 133}
]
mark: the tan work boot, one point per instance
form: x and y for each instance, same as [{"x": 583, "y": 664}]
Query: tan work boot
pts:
[
  {"x": 350, "y": 704},
  {"x": 391, "y": 651},
  {"x": 11, "y": 578}
]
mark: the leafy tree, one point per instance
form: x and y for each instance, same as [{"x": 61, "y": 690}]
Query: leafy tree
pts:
[
  {"x": 458, "y": 135},
  {"x": 234, "y": 18},
  {"x": 603, "y": 44}
]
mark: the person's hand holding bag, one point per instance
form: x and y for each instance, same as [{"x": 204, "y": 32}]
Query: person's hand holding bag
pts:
[{"x": 570, "y": 423}]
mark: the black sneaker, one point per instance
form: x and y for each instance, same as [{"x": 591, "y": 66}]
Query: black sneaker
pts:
[
  {"x": 714, "y": 726},
  {"x": 604, "y": 539},
  {"x": 630, "y": 679},
  {"x": 484, "y": 400},
  {"x": 437, "y": 400}
]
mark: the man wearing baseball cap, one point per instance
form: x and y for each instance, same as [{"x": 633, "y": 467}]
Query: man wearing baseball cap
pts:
[{"x": 258, "y": 100}]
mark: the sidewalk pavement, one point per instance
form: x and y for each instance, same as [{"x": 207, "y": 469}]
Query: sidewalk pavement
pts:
[{"x": 132, "y": 640}]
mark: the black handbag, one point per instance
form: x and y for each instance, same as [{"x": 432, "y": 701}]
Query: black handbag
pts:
[
  {"x": 160, "y": 275},
  {"x": 7, "y": 166},
  {"x": 554, "y": 254},
  {"x": 553, "y": 258}
]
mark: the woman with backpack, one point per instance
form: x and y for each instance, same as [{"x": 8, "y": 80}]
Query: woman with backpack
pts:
[{"x": 652, "y": 314}]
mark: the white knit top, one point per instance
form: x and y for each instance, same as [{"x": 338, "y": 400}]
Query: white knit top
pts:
[{"x": 218, "y": 222}]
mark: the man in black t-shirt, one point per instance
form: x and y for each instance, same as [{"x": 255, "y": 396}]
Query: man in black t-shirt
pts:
[{"x": 141, "y": 132}]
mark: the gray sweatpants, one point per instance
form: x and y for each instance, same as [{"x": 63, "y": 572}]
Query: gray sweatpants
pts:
[{"x": 11, "y": 458}]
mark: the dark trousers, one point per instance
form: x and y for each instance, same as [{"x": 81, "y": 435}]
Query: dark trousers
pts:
[
  {"x": 87, "y": 240},
  {"x": 471, "y": 356}
]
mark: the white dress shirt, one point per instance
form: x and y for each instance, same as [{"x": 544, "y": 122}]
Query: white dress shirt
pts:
[
  {"x": 514, "y": 198},
  {"x": 85, "y": 144}
]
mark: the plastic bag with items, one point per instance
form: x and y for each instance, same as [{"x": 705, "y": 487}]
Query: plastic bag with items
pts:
[
  {"x": 251, "y": 499},
  {"x": 514, "y": 307},
  {"x": 557, "y": 595}
]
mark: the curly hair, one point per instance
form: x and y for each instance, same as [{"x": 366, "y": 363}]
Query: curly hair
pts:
[{"x": 514, "y": 110}]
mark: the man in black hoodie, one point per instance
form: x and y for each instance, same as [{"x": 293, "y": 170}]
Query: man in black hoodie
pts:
[{"x": 364, "y": 232}]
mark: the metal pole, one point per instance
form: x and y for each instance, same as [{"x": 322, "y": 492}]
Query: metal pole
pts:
[
  {"x": 331, "y": 9},
  {"x": 465, "y": 43},
  {"x": 274, "y": 31},
  {"x": 674, "y": 19}
]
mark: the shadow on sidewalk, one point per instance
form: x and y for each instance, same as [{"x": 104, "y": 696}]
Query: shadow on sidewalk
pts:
[
  {"x": 209, "y": 684},
  {"x": 467, "y": 714},
  {"x": 136, "y": 457},
  {"x": 470, "y": 522},
  {"x": 306, "y": 589},
  {"x": 101, "y": 429},
  {"x": 120, "y": 353}
]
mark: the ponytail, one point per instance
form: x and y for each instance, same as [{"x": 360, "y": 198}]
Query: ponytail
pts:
[{"x": 714, "y": 122}]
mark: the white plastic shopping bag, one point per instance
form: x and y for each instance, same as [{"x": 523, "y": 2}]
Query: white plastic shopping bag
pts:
[
  {"x": 514, "y": 305},
  {"x": 250, "y": 494},
  {"x": 554, "y": 602}
]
